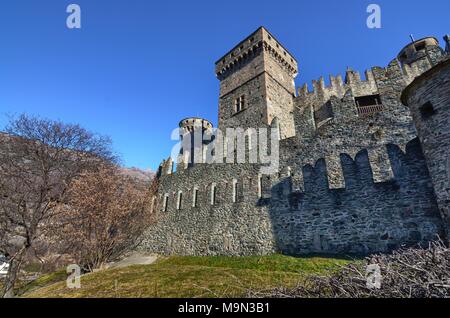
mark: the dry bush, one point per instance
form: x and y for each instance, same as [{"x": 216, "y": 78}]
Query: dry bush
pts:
[
  {"x": 105, "y": 215},
  {"x": 406, "y": 273}
]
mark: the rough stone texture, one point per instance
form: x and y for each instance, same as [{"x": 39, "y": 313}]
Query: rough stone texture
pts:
[
  {"x": 429, "y": 100},
  {"x": 263, "y": 71},
  {"x": 352, "y": 179}
]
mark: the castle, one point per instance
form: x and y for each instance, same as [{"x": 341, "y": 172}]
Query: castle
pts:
[{"x": 364, "y": 163}]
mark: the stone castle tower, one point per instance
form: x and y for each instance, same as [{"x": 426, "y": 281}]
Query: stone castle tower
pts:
[
  {"x": 428, "y": 97},
  {"x": 360, "y": 172},
  {"x": 257, "y": 84}
]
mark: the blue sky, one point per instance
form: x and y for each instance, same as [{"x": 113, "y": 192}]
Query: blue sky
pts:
[{"x": 137, "y": 66}]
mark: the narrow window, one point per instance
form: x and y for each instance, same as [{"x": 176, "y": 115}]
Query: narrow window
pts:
[
  {"x": 239, "y": 104},
  {"x": 194, "y": 198},
  {"x": 153, "y": 205},
  {"x": 180, "y": 200},
  {"x": 166, "y": 202},
  {"x": 427, "y": 110},
  {"x": 235, "y": 183},
  {"x": 213, "y": 194},
  {"x": 242, "y": 102},
  {"x": 259, "y": 186}
]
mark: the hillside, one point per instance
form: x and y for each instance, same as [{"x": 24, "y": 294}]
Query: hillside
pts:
[
  {"x": 138, "y": 174},
  {"x": 191, "y": 277}
]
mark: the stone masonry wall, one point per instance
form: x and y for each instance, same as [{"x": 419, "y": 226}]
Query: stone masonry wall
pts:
[
  {"x": 349, "y": 182},
  {"x": 429, "y": 100}
]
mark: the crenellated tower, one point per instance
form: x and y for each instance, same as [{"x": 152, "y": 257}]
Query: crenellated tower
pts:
[{"x": 257, "y": 84}]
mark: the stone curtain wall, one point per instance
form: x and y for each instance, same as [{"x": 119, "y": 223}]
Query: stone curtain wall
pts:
[
  {"x": 363, "y": 217},
  {"x": 348, "y": 183},
  {"x": 225, "y": 228}
]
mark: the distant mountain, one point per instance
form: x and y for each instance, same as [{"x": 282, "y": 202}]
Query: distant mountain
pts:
[
  {"x": 139, "y": 174},
  {"x": 135, "y": 173}
]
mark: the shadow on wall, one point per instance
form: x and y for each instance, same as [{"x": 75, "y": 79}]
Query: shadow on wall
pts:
[{"x": 362, "y": 218}]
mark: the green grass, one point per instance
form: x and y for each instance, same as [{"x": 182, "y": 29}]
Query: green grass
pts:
[
  {"x": 23, "y": 287},
  {"x": 42, "y": 281},
  {"x": 192, "y": 277}
]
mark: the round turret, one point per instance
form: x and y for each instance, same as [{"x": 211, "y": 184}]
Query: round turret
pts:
[
  {"x": 428, "y": 98},
  {"x": 191, "y": 123},
  {"x": 192, "y": 130},
  {"x": 416, "y": 50}
]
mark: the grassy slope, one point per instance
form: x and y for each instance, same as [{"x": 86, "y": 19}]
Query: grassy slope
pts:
[{"x": 194, "y": 277}]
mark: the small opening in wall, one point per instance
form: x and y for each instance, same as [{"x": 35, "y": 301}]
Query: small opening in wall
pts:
[
  {"x": 180, "y": 200},
  {"x": 194, "y": 198},
  {"x": 213, "y": 194},
  {"x": 259, "y": 186},
  {"x": 368, "y": 105},
  {"x": 368, "y": 100},
  {"x": 234, "y": 191},
  {"x": 239, "y": 104},
  {"x": 427, "y": 110},
  {"x": 166, "y": 203},
  {"x": 153, "y": 205},
  {"x": 420, "y": 47}
]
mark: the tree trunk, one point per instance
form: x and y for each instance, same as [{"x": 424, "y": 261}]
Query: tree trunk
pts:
[{"x": 13, "y": 272}]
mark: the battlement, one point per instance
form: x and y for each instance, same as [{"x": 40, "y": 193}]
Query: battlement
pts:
[
  {"x": 351, "y": 172},
  {"x": 413, "y": 60},
  {"x": 259, "y": 41},
  {"x": 338, "y": 86}
]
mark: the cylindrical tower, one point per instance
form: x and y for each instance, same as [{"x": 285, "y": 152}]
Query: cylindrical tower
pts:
[
  {"x": 192, "y": 130},
  {"x": 416, "y": 50},
  {"x": 428, "y": 97}
]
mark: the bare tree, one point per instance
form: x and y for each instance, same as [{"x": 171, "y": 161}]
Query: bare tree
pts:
[
  {"x": 39, "y": 158},
  {"x": 105, "y": 215}
]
